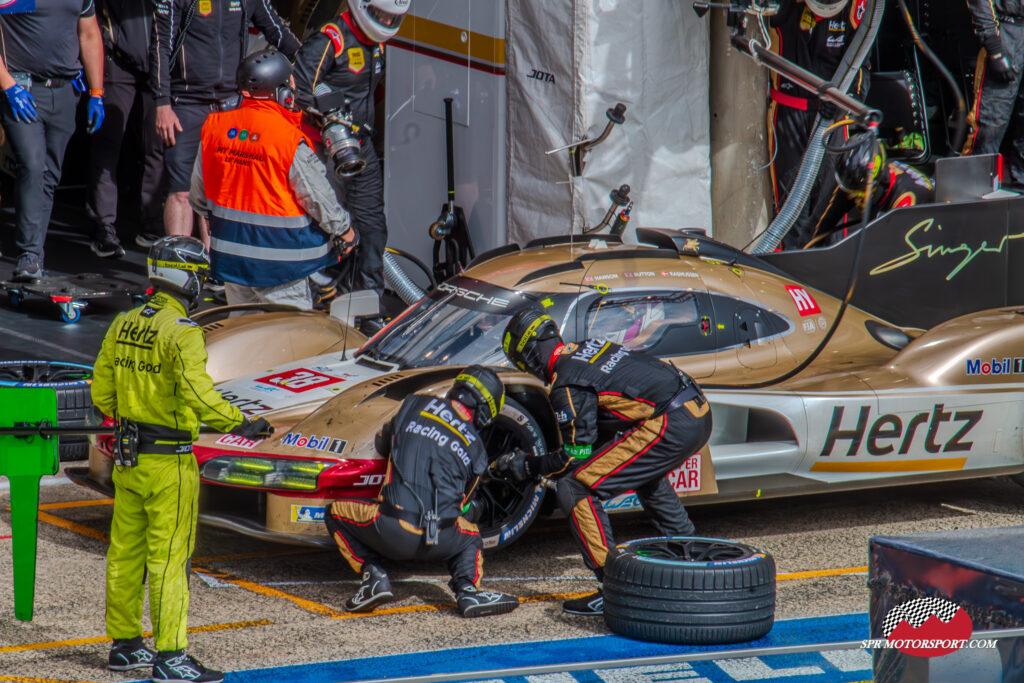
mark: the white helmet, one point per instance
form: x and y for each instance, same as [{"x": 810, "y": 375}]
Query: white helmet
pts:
[
  {"x": 826, "y": 8},
  {"x": 178, "y": 265},
  {"x": 379, "y": 19}
]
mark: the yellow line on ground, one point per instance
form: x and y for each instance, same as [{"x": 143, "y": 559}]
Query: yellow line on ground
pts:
[
  {"x": 251, "y": 556},
  {"x": 73, "y": 526},
  {"x": 308, "y": 605},
  {"x": 103, "y": 639},
  {"x": 77, "y": 504},
  {"x": 816, "y": 573}
]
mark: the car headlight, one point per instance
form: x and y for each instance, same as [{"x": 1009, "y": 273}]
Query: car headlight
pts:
[{"x": 268, "y": 473}]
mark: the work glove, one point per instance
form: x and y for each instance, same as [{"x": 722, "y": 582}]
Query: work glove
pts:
[
  {"x": 96, "y": 114},
  {"x": 512, "y": 466},
  {"x": 22, "y": 104},
  {"x": 347, "y": 241},
  {"x": 78, "y": 84},
  {"x": 1001, "y": 68},
  {"x": 253, "y": 429}
]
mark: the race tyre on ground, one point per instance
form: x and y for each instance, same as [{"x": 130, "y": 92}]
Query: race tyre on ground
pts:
[
  {"x": 695, "y": 591},
  {"x": 508, "y": 509},
  {"x": 74, "y": 403}
]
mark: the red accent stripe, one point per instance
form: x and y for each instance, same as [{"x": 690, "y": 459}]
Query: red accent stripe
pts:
[
  {"x": 5, "y": 537},
  {"x": 789, "y": 100},
  {"x": 977, "y": 112},
  {"x": 583, "y": 539},
  {"x": 664, "y": 423},
  {"x": 338, "y": 536},
  {"x": 445, "y": 57},
  {"x": 360, "y": 36}
]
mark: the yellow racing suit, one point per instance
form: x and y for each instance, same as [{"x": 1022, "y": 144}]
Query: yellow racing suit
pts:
[{"x": 151, "y": 369}]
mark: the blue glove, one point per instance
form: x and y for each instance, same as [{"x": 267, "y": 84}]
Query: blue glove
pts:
[
  {"x": 78, "y": 85},
  {"x": 22, "y": 104},
  {"x": 96, "y": 114}
]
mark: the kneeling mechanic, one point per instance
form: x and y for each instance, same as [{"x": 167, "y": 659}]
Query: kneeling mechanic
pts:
[
  {"x": 151, "y": 376},
  {"x": 435, "y": 460},
  {"x": 627, "y": 419}
]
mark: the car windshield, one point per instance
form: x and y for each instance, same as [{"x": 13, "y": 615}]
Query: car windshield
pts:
[{"x": 459, "y": 323}]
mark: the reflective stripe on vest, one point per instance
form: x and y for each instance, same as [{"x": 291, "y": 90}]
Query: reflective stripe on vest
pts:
[{"x": 260, "y": 235}]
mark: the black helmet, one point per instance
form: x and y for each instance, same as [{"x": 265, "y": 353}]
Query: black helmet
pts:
[
  {"x": 480, "y": 390},
  {"x": 524, "y": 336},
  {"x": 861, "y": 160},
  {"x": 266, "y": 75},
  {"x": 178, "y": 265}
]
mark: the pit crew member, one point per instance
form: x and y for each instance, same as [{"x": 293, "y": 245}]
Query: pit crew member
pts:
[
  {"x": 273, "y": 217},
  {"x": 436, "y": 458},
  {"x": 894, "y": 185},
  {"x": 999, "y": 25},
  {"x": 197, "y": 47},
  {"x": 151, "y": 376},
  {"x": 347, "y": 55},
  {"x": 627, "y": 419}
]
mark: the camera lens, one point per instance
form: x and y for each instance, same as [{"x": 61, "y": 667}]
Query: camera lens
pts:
[{"x": 343, "y": 150}]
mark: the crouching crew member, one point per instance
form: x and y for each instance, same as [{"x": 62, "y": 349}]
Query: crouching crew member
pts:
[
  {"x": 151, "y": 376},
  {"x": 627, "y": 419},
  {"x": 273, "y": 217},
  {"x": 894, "y": 185},
  {"x": 435, "y": 460}
]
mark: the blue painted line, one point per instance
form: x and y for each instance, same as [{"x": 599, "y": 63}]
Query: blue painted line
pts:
[{"x": 591, "y": 649}]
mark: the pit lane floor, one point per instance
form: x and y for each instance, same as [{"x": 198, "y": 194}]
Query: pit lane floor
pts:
[{"x": 273, "y": 610}]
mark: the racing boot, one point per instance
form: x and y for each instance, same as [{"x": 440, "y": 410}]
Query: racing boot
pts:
[
  {"x": 474, "y": 602},
  {"x": 374, "y": 590},
  {"x": 175, "y": 666},
  {"x": 590, "y": 605},
  {"x": 128, "y": 654}
]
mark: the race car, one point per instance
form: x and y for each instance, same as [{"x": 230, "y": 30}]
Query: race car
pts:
[{"x": 920, "y": 381}]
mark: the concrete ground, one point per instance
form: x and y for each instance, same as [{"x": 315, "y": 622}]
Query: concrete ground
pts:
[{"x": 256, "y": 604}]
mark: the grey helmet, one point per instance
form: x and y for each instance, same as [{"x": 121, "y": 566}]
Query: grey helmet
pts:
[
  {"x": 266, "y": 75},
  {"x": 178, "y": 265},
  {"x": 379, "y": 19},
  {"x": 826, "y": 8}
]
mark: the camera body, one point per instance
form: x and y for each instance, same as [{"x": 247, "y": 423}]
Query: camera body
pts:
[
  {"x": 737, "y": 9},
  {"x": 339, "y": 133}
]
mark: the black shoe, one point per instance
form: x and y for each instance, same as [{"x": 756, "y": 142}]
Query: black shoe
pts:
[
  {"x": 29, "y": 268},
  {"x": 474, "y": 602},
  {"x": 147, "y": 239},
  {"x": 178, "y": 667},
  {"x": 591, "y": 605},
  {"x": 374, "y": 590},
  {"x": 106, "y": 243},
  {"x": 130, "y": 654},
  {"x": 213, "y": 285}
]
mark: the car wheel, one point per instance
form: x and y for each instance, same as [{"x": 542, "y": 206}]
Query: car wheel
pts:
[
  {"x": 696, "y": 591},
  {"x": 508, "y": 509},
  {"x": 74, "y": 403}
]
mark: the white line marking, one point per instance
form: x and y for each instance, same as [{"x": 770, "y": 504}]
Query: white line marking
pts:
[{"x": 47, "y": 480}]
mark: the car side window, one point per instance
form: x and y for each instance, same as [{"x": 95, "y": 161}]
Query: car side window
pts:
[{"x": 662, "y": 323}]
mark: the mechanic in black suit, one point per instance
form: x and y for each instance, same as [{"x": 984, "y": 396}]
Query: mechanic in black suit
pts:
[
  {"x": 627, "y": 419},
  {"x": 434, "y": 448}
]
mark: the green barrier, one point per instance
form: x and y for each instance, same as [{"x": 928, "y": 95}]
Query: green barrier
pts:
[{"x": 24, "y": 460}]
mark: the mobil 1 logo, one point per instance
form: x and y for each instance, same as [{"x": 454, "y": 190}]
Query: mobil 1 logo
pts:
[{"x": 859, "y": 430}]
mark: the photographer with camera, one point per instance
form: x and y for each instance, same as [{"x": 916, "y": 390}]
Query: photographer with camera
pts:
[
  {"x": 274, "y": 220},
  {"x": 346, "y": 56}
]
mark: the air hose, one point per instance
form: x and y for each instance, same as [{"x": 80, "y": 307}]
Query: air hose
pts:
[
  {"x": 960, "y": 132},
  {"x": 400, "y": 283},
  {"x": 848, "y": 69}
]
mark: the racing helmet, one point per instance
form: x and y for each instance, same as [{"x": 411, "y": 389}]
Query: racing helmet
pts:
[
  {"x": 178, "y": 265},
  {"x": 523, "y": 341},
  {"x": 861, "y": 161},
  {"x": 266, "y": 75},
  {"x": 479, "y": 389},
  {"x": 379, "y": 19},
  {"x": 826, "y": 8}
]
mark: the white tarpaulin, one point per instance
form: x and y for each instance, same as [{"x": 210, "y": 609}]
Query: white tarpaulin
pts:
[{"x": 570, "y": 60}]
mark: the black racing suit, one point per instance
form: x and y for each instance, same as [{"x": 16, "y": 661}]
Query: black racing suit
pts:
[
  {"x": 998, "y": 110},
  {"x": 340, "y": 56},
  {"x": 817, "y": 45},
  {"x": 627, "y": 419},
  {"x": 433, "y": 454},
  {"x": 898, "y": 186}
]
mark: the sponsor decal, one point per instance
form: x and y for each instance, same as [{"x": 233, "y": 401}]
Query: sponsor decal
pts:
[
  {"x": 705, "y": 326},
  {"x": 236, "y": 441},
  {"x": 677, "y": 273},
  {"x": 459, "y": 433},
  {"x": 997, "y": 366},
  {"x": 232, "y": 133},
  {"x": 613, "y": 360},
  {"x": 137, "y": 366},
  {"x": 598, "y": 278},
  {"x": 966, "y": 252},
  {"x": 235, "y": 6},
  {"x": 686, "y": 477},
  {"x": 807, "y": 20},
  {"x": 248, "y": 406},
  {"x": 308, "y": 514},
  {"x": 642, "y": 273},
  {"x": 835, "y": 41},
  {"x": 590, "y": 350},
  {"x": 299, "y": 380},
  {"x": 333, "y": 34},
  {"x": 470, "y": 295},
  {"x": 370, "y": 480},
  {"x": 927, "y": 627},
  {"x": 822, "y": 323},
  {"x": 542, "y": 76},
  {"x": 141, "y": 335},
  {"x": 809, "y": 326},
  {"x": 356, "y": 59},
  {"x": 691, "y": 245},
  {"x": 628, "y": 501},
  {"x": 889, "y": 434},
  {"x": 205, "y": 8},
  {"x": 805, "y": 303},
  {"x": 836, "y": 25},
  {"x": 378, "y": 63},
  {"x": 327, "y": 444}
]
